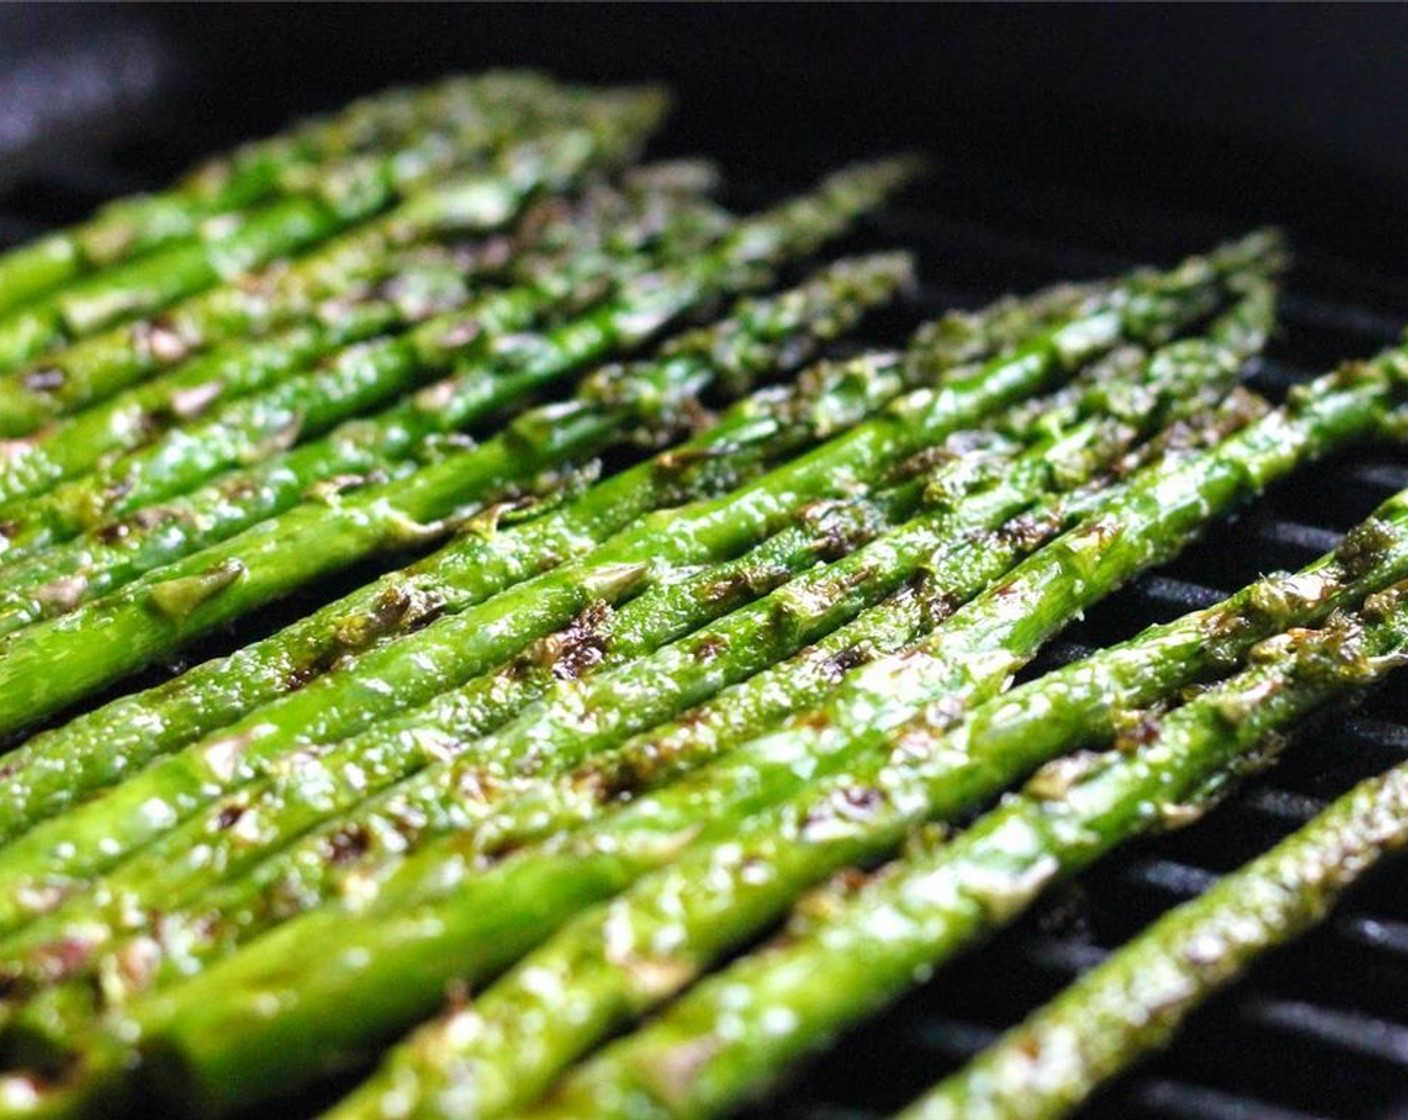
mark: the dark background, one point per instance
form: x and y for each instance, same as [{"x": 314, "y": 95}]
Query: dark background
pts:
[{"x": 1229, "y": 115}]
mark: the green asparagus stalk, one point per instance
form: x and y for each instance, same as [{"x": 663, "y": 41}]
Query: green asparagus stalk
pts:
[
  {"x": 250, "y": 174},
  {"x": 364, "y": 375},
  {"x": 618, "y": 124},
  {"x": 368, "y": 762},
  {"x": 182, "y": 782},
  {"x": 927, "y": 776},
  {"x": 409, "y": 286},
  {"x": 943, "y": 900},
  {"x": 574, "y": 802},
  {"x": 639, "y": 694},
  {"x": 433, "y": 901},
  {"x": 598, "y": 638},
  {"x": 1136, "y": 1000},
  {"x": 96, "y": 750},
  {"x": 775, "y": 817},
  {"x": 764, "y": 334},
  {"x": 708, "y": 731},
  {"x": 943, "y": 770},
  {"x": 132, "y": 419},
  {"x": 97, "y": 367},
  {"x": 207, "y": 845},
  {"x": 93, "y": 751}
]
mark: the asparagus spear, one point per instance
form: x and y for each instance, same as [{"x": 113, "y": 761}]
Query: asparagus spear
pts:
[
  {"x": 1134, "y": 1001},
  {"x": 763, "y": 334},
  {"x": 802, "y": 682},
  {"x": 935, "y": 769},
  {"x": 182, "y": 782},
  {"x": 618, "y": 124},
  {"x": 942, "y": 900},
  {"x": 96, "y": 750},
  {"x": 369, "y": 767},
  {"x": 660, "y": 685},
  {"x": 767, "y": 831},
  {"x": 184, "y": 861},
  {"x": 206, "y": 848},
  {"x": 249, "y": 174},
  {"x": 496, "y": 370},
  {"x": 367, "y": 373},
  {"x": 595, "y": 640},
  {"x": 134, "y": 418},
  {"x": 408, "y": 285}
]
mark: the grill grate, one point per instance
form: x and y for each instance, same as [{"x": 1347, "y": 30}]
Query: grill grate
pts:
[{"x": 1321, "y": 1029}]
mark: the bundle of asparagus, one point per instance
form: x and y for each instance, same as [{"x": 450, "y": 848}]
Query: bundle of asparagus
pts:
[{"x": 701, "y": 626}]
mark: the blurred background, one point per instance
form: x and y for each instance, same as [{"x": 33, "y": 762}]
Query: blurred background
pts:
[{"x": 1209, "y": 116}]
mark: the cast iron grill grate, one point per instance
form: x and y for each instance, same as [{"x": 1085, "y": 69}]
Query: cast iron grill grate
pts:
[{"x": 1321, "y": 1030}]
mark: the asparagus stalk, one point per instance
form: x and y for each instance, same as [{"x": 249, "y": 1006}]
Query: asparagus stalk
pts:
[
  {"x": 96, "y": 750},
  {"x": 365, "y": 374},
  {"x": 595, "y": 640},
  {"x": 1136, "y": 1000},
  {"x": 943, "y": 900},
  {"x": 408, "y": 285},
  {"x": 733, "y": 844},
  {"x": 513, "y": 366},
  {"x": 48, "y": 771},
  {"x": 524, "y": 802},
  {"x": 647, "y": 691},
  {"x": 930, "y": 775},
  {"x": 463, "y": 645},
  {"x": 618, "y": 124},
  {"x": 182, "y": 782},
  {"x": 206, "y": 848},
  {"x": 942, "y": 770},
  {"x": 368, "y": 764},
  {"x": 132, "y": 419},
  {"x": 708, "y": 731},
  {"x": 250, "y": 174}
]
